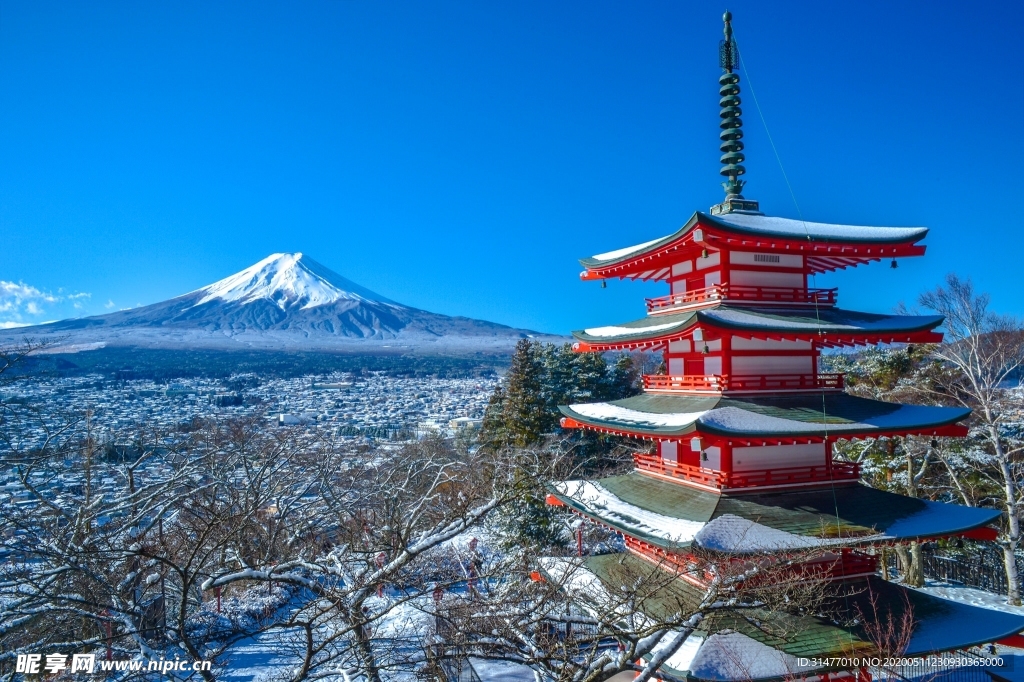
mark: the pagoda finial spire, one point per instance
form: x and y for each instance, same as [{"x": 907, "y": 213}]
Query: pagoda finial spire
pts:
[{"x": 732, "y": 127}]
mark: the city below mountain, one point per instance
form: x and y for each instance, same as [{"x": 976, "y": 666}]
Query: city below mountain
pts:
[{"x": 285, "y": 302}]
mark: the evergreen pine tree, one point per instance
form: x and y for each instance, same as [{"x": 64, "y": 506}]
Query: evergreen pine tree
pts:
[
  {"x": 525, "y": 414},
  {"x": 625, "y": 377},
  {"x": 493, "y": 435}
]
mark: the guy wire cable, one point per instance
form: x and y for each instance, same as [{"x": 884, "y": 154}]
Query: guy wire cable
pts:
[{"x": 817, "y": 312}]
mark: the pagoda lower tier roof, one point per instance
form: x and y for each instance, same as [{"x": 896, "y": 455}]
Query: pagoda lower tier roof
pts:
[
  {"x": 676, "y": 517},
  {"x": 844, "y": 244},
  {"x": 755, "y": 644},
  {"x": 827, "y": 326},
  {"x": 806, "y": 417}
]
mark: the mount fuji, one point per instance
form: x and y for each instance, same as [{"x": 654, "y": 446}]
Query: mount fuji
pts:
[{"x": 285, "y": 302}]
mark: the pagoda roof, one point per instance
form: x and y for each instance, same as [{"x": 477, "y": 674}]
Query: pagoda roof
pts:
[
  {"x": 809, "y": 416},
  {"x": 830, "y": 326},
  {"x": 761, "y": 228},
  {"x": 674, "y": 516},
  {"x": 736, "y": 645}
]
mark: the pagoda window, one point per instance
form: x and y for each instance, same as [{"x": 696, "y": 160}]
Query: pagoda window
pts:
[
  {"x": 675, "y": 367},
  {"x": 680, "y": 346},
  {"x": 713, "y": 278},
  {"x": 766, "y": 259},
  {"x": 778, "y": 456}
]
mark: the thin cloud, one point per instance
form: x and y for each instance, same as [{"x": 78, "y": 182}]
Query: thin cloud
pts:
[{"x": 19, "y": 301}]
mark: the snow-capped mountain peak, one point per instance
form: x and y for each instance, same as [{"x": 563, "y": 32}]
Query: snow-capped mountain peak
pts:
[{"x": 289, "y": 280}]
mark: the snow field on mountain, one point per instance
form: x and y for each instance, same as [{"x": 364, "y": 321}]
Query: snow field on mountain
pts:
[{"x": 288, "y": 279}]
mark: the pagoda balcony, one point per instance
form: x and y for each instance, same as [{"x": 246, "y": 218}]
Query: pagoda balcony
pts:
[
  {"x": 836, "y": 472},
  {"x": 842, "y": 565},
  {"x": 738, "y": 383},
  {"x": 743, "y": 294}
]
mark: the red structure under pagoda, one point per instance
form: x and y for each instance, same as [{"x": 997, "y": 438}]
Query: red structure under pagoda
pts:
[{"x": 743, "y": 422}]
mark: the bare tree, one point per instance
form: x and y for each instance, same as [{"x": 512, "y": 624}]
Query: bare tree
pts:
[
  {"x": 383, "y": 524},
  {"x": 983, "y": 355},
  {"x": 109, "y": 546},
  {"x": 572, "y": 621}
]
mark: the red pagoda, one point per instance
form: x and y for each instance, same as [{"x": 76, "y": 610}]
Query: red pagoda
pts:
[{"x": 744, "y": 422}]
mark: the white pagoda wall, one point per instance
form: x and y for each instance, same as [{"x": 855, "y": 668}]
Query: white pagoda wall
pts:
[
  {"x": 669, "y": 450},
  {"x": 714, "y": 458},
  {"x": 778, "y": 456},
  {"x": 770, "y": 363},
  {"x": 756, "y": 278}
]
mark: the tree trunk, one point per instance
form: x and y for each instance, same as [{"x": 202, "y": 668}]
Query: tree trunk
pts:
[
  {"x": 916, "y": 574},
  {"x": 1012, "y": 580},
  {"x": 910, "y": 564},
  {"x": 1012, "y": 539}
]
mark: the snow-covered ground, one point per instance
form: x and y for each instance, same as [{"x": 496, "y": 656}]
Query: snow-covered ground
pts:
[
  {"x": 969, "y": 595},
  {"x": 501, "y": 671}
]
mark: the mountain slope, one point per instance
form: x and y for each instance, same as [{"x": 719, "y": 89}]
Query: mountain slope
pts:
[{"x": 284, "y": 302}]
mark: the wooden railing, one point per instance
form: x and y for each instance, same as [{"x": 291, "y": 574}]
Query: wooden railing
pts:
[
  {"x": 688, "y": 382},
  {"x": 716, "y": 383},
  {"x": 838, "y": 471},
  {"x": 734, "y": 292},
  {"x": 843, "y": 564}
]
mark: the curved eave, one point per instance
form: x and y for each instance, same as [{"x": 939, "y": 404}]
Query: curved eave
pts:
[
  {"x": 650, "y": 249},
  {"x": 982, "y": 521},
  {"x": 654, "y": 331},
  {"x": 827, "y": 247},
  {"x": 822, "y": 233},
  {"x": 574, "y": 420},
  {"x": 943, "y": 423},
  {"x": 581, "y": 509},
  {"x": 925, "y": 520},
  {"x": 769, "y": 429}
]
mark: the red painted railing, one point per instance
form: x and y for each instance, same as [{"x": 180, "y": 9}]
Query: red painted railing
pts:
[
  {"x": 845, "y": 563},
  {"x": 739, "y": 382},
  {"x": 839, "y": 471},
  {"x": 688, "y": 382},
  {"x": 734, "y": 292}
]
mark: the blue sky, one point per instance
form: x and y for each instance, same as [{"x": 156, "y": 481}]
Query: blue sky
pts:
[{"x": 460, "y": 156}]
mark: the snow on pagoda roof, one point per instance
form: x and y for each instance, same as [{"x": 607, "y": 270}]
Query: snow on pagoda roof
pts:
[
  {"x": 673, "y": 516},
  {"x": 739, "y": 650},
  {"x": 801, "y": 229},
  {"x": 673, "y": 416},
  {"x": 732, "y": 655},
  {"x": 766, "y": 226},
  {"x": 620, "y": 253},
  {"x": 832, "y": 321},
  {"x": 593, "y": 496}
]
